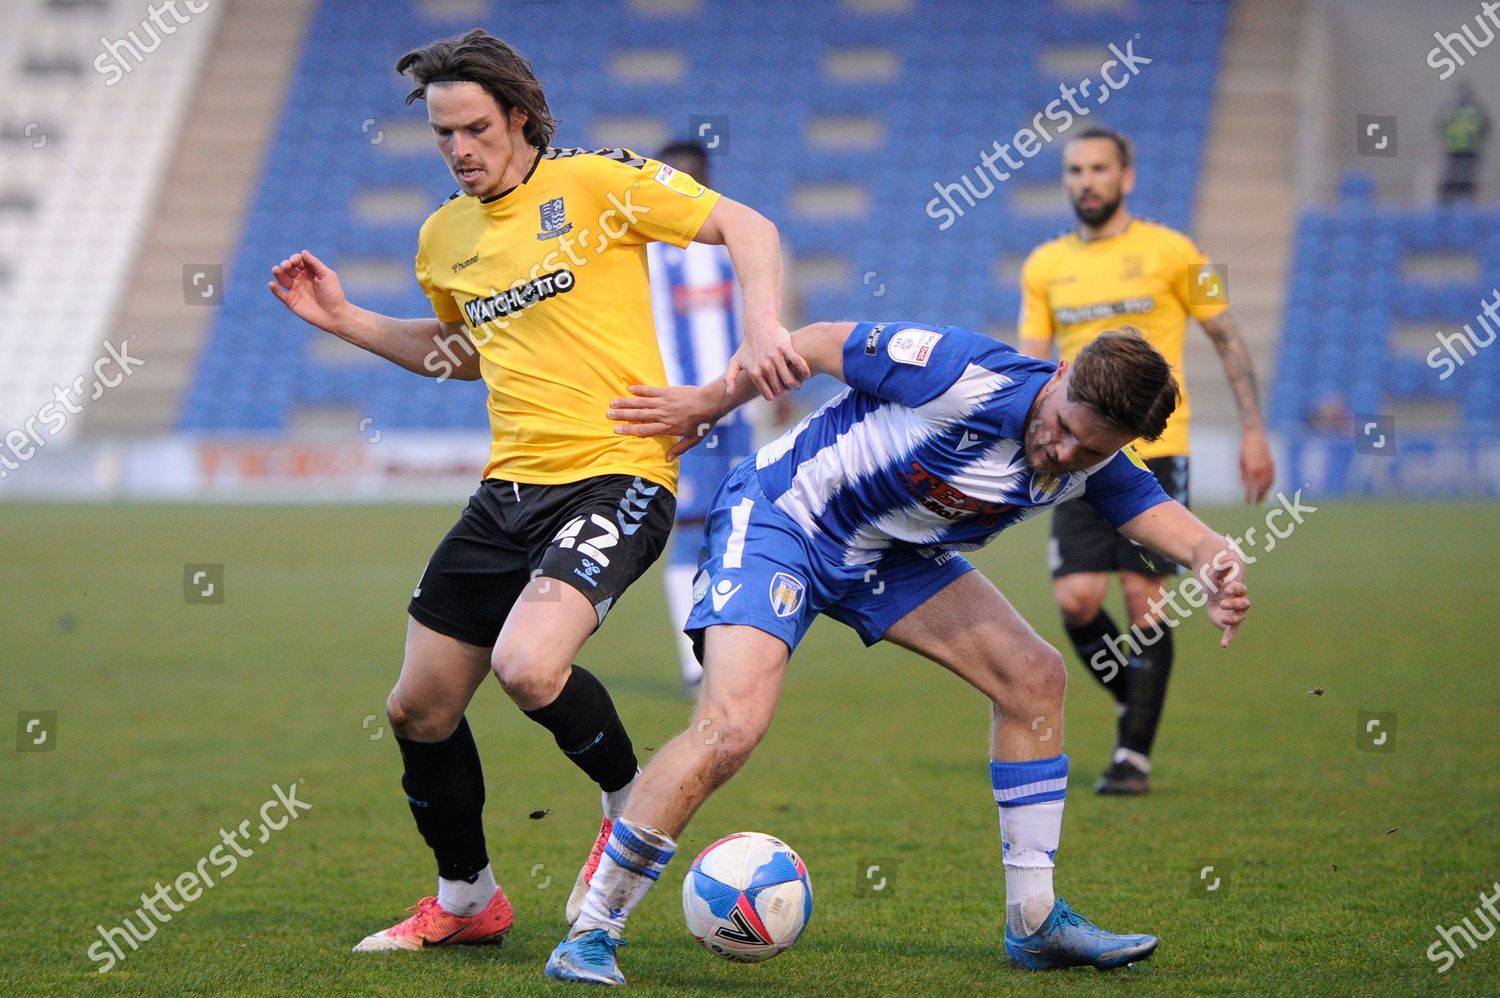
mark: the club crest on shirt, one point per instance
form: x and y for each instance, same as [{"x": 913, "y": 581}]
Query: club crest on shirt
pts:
[
  {"x": 1047, "y": 487},
  {"x": 786, "y": 594},
  {"x": 554, "y": 219}
]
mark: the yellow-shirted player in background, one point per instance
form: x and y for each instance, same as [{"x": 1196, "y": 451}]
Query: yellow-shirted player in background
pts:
[
  {"x": 1116, "y": 270},
  {"x": 536, "y": 270}
]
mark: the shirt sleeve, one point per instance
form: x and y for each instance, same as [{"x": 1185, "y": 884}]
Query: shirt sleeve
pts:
[
  {"x": 907, "y": 362},
  {"x": 1035, "y": 321},
  {"x": 443, "y": 305},
  {"x": 1123, "y": 489},
  {"x": 1201, "y": 289},
  {"x": 651, "y": 202}
]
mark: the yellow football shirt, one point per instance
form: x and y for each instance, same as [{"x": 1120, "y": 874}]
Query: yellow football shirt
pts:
[
  {"x": 1149, "y": 276},
  {"x": 550, "y": 279}
]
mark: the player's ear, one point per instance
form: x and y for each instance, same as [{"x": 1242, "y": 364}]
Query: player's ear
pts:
[
  {"x": 1127, "y": 181},
  {"x": 518, "y": 119},
  {"x": 1051, "y": 384}
]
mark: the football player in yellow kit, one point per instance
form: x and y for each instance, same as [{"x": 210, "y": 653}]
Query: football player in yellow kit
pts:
[
  {"x": 536, "y": 270},
  {"x": 1116, "y": 269}
]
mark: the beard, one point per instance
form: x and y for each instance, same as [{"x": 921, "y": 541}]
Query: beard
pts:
[{"x": 1099, "y": 214}]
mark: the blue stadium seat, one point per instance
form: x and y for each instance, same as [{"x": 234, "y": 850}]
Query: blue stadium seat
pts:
[{"x": 964, "y": 83}]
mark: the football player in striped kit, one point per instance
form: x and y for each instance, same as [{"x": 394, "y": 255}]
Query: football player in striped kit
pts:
[{"x": 943, "y": 439}]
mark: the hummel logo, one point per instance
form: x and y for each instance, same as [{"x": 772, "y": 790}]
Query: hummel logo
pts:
[
  {"x": 722, "y": 593},
  {"x": 439, "y": 942},
  {"x": 969, "y": 439}
]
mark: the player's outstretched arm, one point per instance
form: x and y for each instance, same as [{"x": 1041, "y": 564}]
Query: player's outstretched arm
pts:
[
  {"x": 767, "y": 354},
  {"x": 1257, "y": 467},
  {"x": 689, "y": 413},
  {"x": 1174, "y": 531},
  {"x": 310, "y": 289}
]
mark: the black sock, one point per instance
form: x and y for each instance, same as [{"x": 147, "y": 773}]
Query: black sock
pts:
[
  {"x": 444, "y": 785},
  {"x": 1101, "y": 635},
  {"x": 587, "y": 728},
  {"x": 1148, "y": 690}
]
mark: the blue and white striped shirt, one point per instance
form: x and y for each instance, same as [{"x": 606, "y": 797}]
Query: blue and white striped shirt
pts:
[
  {"x": 924, "y": 449},
  {"x": 696, "y": 301}
]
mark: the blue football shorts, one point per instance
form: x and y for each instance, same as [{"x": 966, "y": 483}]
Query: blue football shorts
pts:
[{"x": 761, "y": 569}]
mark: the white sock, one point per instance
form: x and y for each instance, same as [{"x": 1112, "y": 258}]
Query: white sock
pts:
[
  {"x": 1141, "y": 762},
  {"x": 613, "y": 802},
  {"x": 679, "y": 582},
  {"x": 1030, "y": 795},
  {"x": 459, "y": 897},
  {"x": 1033, "y": 886},
  {"x": 632, "y": 862}
]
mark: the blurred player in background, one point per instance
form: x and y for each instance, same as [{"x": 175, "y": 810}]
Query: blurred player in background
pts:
[
  {"x": 536, "y": 272},
  {"x": 945, "y": 438},
  {"x": 1116, "y": 269},
  {"x": 699, "y": 323}
]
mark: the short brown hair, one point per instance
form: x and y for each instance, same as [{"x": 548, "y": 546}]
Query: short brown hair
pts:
[
  {"x": 1123, "y": 378},
  {"x": 1122, "y": 144},
  {"x": 479, "y": 57}
]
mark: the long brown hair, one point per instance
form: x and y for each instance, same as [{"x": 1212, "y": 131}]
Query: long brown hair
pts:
[{"x": 479, "y": 57}]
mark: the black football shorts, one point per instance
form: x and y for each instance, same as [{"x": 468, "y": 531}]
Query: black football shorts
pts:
[
  {"x": 1083, "y": 541},
  {"x": 597, "y": 535}
]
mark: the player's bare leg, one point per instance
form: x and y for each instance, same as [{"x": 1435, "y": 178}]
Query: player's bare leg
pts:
[
  {"x": 741, "y": 685},
  {"x": 439, "y": 676},
  {"x": 970, "y": 629},
  {"x": 1080, "y": 596},
  {"x": 743, "y": 668},
  {"x": 445, "y": 785},
  {"x": 533, "y": 660}
]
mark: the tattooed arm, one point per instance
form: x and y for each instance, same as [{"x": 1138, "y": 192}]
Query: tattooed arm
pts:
[{"x": 1257, "y": 469}]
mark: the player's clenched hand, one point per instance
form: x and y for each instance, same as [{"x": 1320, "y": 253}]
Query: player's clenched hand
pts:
[
  {"x": 684, "y": 412},
  {"x": 310, "y": 288},
  {"x": 1257, "y": 467},
  {"x": 1229, "y": 599},
  {"x": 768, "y": 358}
]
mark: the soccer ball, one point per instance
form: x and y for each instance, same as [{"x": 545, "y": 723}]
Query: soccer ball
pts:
[{"x": 747, "y": 897}]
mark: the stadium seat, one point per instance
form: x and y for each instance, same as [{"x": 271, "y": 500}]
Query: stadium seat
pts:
[{"x": 935, "y": 133}]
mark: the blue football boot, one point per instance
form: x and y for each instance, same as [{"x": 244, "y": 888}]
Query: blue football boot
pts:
[
  {"x": 589, "y": 958},
  {"x": 1067, "y": 939}
]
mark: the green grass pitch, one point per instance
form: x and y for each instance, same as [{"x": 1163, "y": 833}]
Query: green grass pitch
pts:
[{"x": 173, "y": 720}]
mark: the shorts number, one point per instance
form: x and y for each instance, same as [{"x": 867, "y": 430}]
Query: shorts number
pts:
[{"x": 608, "y": 537}]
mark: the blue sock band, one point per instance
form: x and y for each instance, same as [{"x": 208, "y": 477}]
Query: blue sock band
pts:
[{"x": 1033, "y": 782}]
